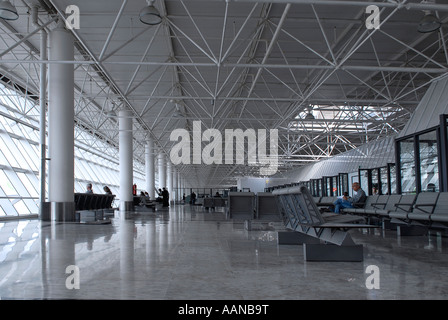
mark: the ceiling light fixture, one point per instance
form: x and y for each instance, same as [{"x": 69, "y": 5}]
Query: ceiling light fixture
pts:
[
  {"x": 429, "y": 23},
  {"x": 150, "y": 15},
  {"x": 309, "y": 116},
  {"x": 8, "y": 11}
]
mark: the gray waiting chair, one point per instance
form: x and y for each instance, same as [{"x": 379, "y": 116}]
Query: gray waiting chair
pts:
[
  {"x": 424, "y": 206},
  {"x": 390, "y": 206},
  {"x": 404, "y": 207},
  {"x": 440, "y": 213}
]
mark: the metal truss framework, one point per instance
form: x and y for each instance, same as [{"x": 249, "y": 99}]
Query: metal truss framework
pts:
[{"x": 239, "y": 64}]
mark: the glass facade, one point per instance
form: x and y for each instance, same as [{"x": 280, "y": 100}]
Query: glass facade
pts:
[
  {"x": 383, "y": 183},
  {"x": 392, "y": 178},
  {"x": 429, "y": 164},
  {"x": 20, "y": 158},
  {"x": 420, "y": 161},
  {"x": 407, "y": 166},
  {"x": 342, "y": 184}
]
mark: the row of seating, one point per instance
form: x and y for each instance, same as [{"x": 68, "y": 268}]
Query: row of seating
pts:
[
  {"x": 248, "y": 206},
  {"x": 324, "y": 201},
  {"x": 324, "y": 236},
  {"x": 93, "y": 201},
  {"x": 143, "y": 204},
  {"x": 93, "y": 207},
  {"x": 429, "y": 208}
]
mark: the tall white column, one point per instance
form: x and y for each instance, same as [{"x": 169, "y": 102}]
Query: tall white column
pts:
[
  {"x": 175, "y": 195},
  {"x": 150, "y": 170},
  {"x": 44, "y": 211},
  {"x": 169, "y": 179},
  {"x": 61, "y": 126},
  {"x": 179, "y": 187},
  {"x": 162, "y": 170},
  {"x": 126, "y": 156}
]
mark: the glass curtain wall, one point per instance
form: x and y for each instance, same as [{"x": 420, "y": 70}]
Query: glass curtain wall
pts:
[
  {"x": 407, "y": 165},
  {"x": 20, "y": 158},
  {"x": 429, "y": 164},
  {"x": 419, "y": 162}
]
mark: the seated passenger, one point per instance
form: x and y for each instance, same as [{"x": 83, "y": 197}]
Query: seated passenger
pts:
[
  {"x": 346, "y": 202},
  {"x": 107, "y": 190},
  {"x": 89, "y": 188},
  {"x": 142, "y": 199}
]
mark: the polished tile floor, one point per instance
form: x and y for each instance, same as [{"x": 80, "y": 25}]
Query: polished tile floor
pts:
[{"x": 188, "y": 253}]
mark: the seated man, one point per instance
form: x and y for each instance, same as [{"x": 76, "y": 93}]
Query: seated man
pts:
[{"x": 347, "y": 202}]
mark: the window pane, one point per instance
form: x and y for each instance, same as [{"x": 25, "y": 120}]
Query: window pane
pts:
[
  {"x": 375, "y": 182},
  {"x": 364, "y": 178},
  {"x": 383, "y": 180},
  {"x": 21, "y": 208},
  {"x": 407, "y": 164},
  {"x": 393, "y": 180},
  {"x": 28, "y": 185},
  {"x": 6, "y": 145},
  {"x": 2, "y": 212},
  {"x": 6, "y": 185},
  {"x": 429, "y": 165}
]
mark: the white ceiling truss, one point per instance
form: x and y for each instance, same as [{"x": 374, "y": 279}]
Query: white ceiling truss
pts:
[{"x": 239, "y": 64}]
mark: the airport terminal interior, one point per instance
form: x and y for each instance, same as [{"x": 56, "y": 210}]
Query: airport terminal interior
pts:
[{"x": 202, "y": 149}]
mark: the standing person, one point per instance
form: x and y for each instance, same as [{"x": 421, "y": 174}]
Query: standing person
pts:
[
  {"x": 346, "y": 202},
  {"x": 107, "y": 190},
  {"x": 193, "y": 198},
  {"x": 166, "y": 197}
]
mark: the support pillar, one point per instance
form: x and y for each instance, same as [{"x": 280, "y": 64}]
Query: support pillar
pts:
[
  {"x": 162, "y": 170},
  {"x": 169, "y": 179},
  {"x": 126, "y": 157},
  {"x": 175, "y": 196},
  {"x": 179, "y": 187},
  {"x": 150, "y": 172},
  {"x": 44, "y": 208},
  {"x": 61, "y": 126}
]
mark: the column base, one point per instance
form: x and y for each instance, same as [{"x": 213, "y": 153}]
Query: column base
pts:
[
  {"x": 63, "y": 211},
  {"x": 45, "y": 211},
  {"x": 126, "y": 205}
]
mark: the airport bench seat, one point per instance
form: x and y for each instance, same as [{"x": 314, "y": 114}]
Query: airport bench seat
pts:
[
  {"x": 326, "y": 201},
  {"x": 403, "y": 207},
  {"x": 142, "y": 203},
  {"x": 368, "y": 205},
  {"x": 424, "y": 206},
  {"x": 302, "y": 216},
  {"x": 91, "y": 207},
  {"x": 214, "y": 202},
  {"x": 440, "y": 213},
  {"x": 390, "y": 206},
  {"x": 91, "y": 201}
]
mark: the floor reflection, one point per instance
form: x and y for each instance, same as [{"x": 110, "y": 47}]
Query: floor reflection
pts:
[{"x": 182, "y": 253}]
